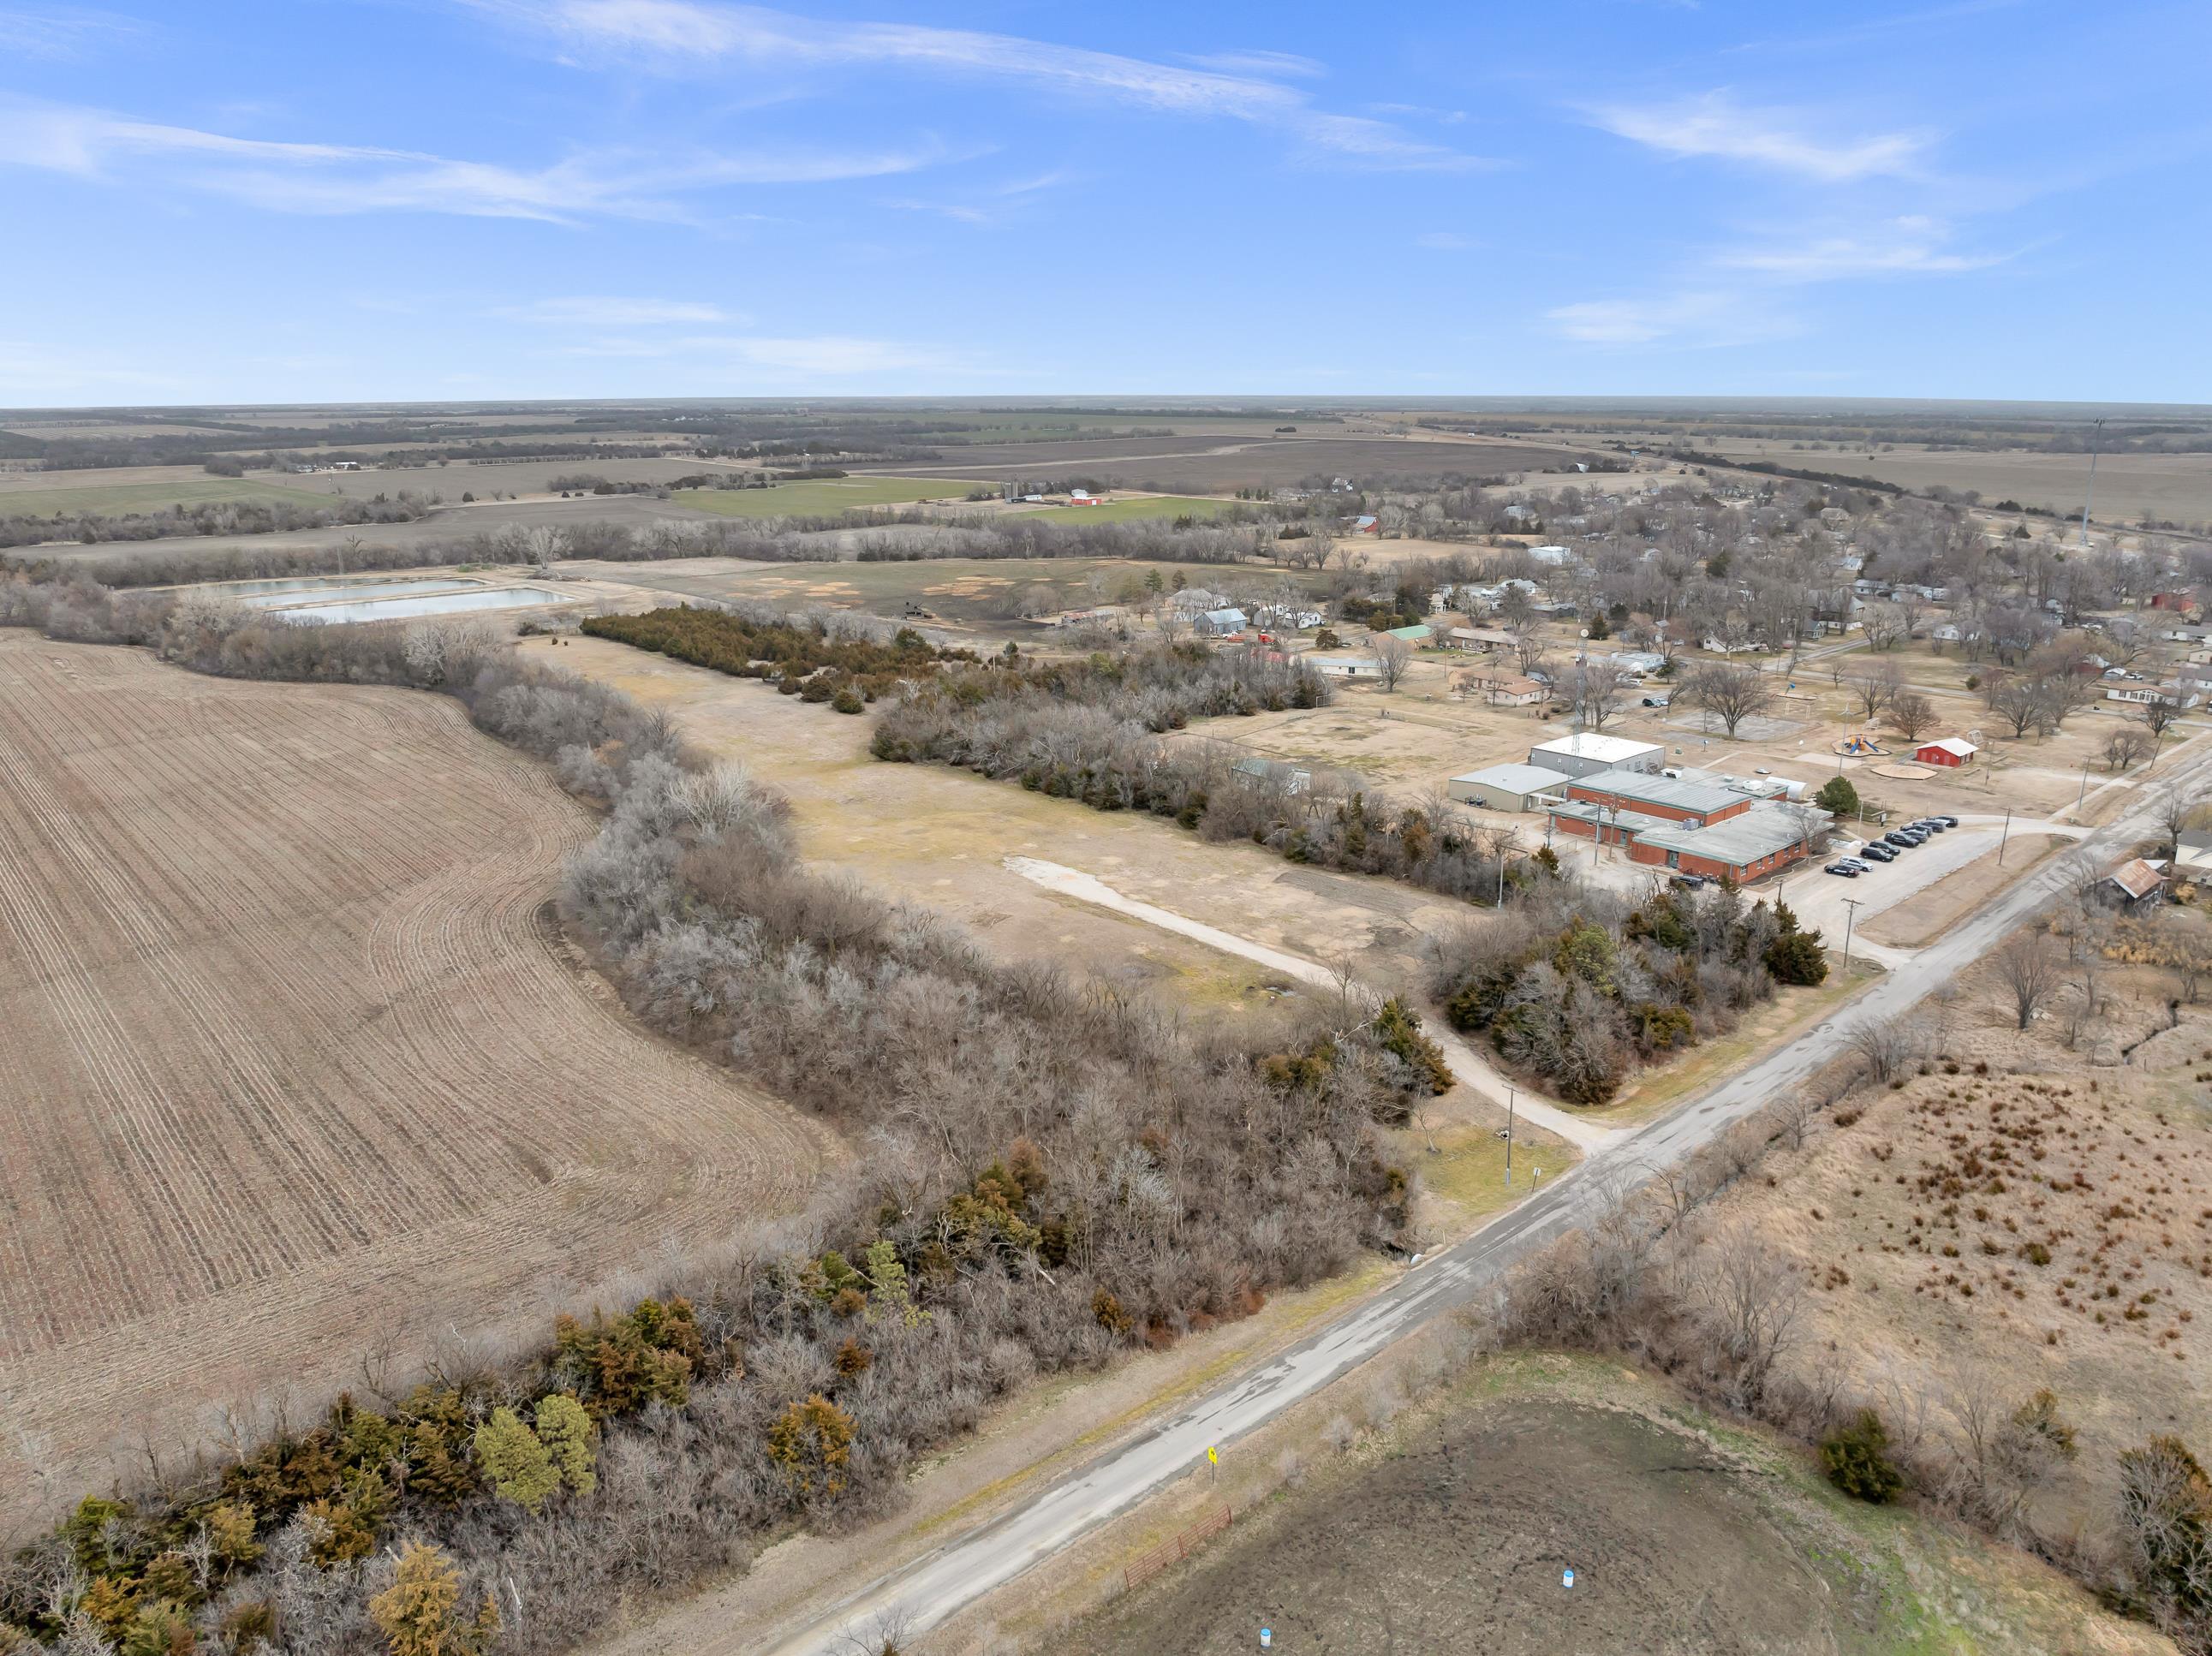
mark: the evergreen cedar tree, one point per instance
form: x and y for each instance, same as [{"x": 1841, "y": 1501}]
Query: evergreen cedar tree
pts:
[{"x": 1578, "y": 1004}]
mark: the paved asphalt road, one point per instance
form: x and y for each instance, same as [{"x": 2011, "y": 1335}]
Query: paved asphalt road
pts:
[{"x": 946, "y": 1581}]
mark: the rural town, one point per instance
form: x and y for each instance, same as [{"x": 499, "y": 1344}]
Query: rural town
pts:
[{"x": 675, "y": 978}]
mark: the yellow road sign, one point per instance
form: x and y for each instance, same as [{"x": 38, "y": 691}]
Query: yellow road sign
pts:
[{"x": 1213, "y": 1454}]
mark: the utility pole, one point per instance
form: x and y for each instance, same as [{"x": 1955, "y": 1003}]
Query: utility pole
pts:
[
  {"x": 2004, "y": 836},
  {"x": 2096, "y": 431},
  {"x": 1508, "y": 1135},
  {"x": 2084, "y": 794},
  {"x": 1852, "y": 904}
]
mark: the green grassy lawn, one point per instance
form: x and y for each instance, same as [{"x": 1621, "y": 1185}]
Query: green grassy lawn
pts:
[
  {"x": 1138, "y": 507},
  {"x": 122, "y": 499},
  {"x": 822, "y": 497}
]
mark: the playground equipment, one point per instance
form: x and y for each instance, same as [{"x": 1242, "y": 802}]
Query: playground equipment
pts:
[{"x": 1861, "y": 747}]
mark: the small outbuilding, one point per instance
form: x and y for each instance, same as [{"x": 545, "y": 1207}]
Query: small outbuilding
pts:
[
  {"x": 2134, "y": 884},
  {"x": 1950, "y": 750}
]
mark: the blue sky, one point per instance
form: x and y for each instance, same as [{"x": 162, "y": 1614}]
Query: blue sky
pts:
[{"x": 371, "y": 199}]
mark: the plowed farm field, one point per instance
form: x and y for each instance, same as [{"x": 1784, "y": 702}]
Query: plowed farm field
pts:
[{"x": 296, "y": 1069}]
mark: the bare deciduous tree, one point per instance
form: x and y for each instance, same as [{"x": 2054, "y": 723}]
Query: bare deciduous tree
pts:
[
  {"x": 1393, "y": 657},
  {"x": 2127, "y": 747},
  {"x": 1596, "y": 690},
  {"x": 1730, "y": 694},
  {"x": 1886, "y": 1047},
  {"x": 1875, "y": 684},
  {"x": 2031, "y": 971},
  {"x": 1749, "y": 1295},
  {"x": 2170, "y": 812},
  {"x": 1913, "y": 715}
]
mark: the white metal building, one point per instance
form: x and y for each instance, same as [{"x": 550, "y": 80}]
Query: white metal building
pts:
[{"x": 1586, "y": 752}]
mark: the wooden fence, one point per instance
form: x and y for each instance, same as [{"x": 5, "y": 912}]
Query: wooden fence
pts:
[{"x": 1175, "y": 1549}]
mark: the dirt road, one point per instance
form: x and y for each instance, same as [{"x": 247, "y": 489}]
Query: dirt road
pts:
[{"x": 972, "y": 1565}]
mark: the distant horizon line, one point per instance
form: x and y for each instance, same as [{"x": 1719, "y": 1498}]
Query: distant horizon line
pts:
[{"x": 1140, "y": 401}]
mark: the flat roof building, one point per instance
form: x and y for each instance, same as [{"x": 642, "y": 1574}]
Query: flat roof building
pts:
[
  {"x": 1670, "y": 797},
  {"x": 1586, "y": 752}
]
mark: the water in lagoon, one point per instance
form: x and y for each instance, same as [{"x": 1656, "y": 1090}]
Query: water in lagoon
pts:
[
  {"x": 429, "y": 603},
  {"x": 365, "y": 591},
  {"x": 273, "y": 594}
]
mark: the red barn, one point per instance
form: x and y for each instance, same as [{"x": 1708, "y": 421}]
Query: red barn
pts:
[{"x": 1951, "y": 751}]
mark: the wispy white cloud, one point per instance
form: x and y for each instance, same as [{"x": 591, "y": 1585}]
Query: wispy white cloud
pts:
[
  {"x": 1700, "y": 318},
  {"x": 1257, "y": 61},
  {"x": 683, "y": 36},
  {"x": 806, "y": 357},
  {"x": 46, "y": 32},
  {"x": 991, "y": 204},
  {"x": 1445, "y": 241},
  {"x": 832, "y": 355},
  {"x": 1716, "y": 125},
  {"x": 1903, "y": 247},
  {"x": 341, "y": 178},
  {"x": 591, "y": 311}
]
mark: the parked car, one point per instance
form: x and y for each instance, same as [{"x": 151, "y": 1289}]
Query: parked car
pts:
[
  {"x": 1689, "y": 882},
  {"x": 1948, "y": 822},
  {"x": 1881, "y": 853},
  {"x": 1657, "y": 700},
  {"x": 1931, "y": 825},
  {"x": 1844, "y": 869},
  {"x": 1853, "y": 862}
]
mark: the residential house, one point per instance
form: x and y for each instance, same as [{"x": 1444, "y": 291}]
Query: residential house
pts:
[{"x": 2172, "y": 694}]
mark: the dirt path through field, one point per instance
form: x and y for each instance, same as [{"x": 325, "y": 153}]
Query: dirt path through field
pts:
[
  {"x": 297, "y": 1065},
  {"x": 1472, "y": 1069},
  {"x": 940, "y": 836}
]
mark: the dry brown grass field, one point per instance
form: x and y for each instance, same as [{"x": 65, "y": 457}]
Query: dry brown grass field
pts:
[
  {"x": 1448, "y": 1527},
  {"x": 940, "y": 836},
  {"x": 1216, "y": 465},
  {"x": 2177, "y": 486},
  {"x": 2020, "y": 1211},
  {"x": 297, "y": 1065}
]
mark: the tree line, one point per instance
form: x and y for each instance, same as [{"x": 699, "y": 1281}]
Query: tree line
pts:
[
  {"x": 214, "y": 518},
  {"x": 1045, "y": 1173},
  {"x": 841, "y": 660}
]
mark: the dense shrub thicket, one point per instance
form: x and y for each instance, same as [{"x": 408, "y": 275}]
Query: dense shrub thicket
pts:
[
  {"x": 817, "y": 659},
  {"x": 1046, "y": 1173},
  {"x": 1578, "y": 999}
]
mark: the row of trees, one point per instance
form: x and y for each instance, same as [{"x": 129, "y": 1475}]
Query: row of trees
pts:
[
  {"x": 1095, "y": 730},
  {"x": 843, "y": 659},
  {"x": 218, "y": 517}
]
